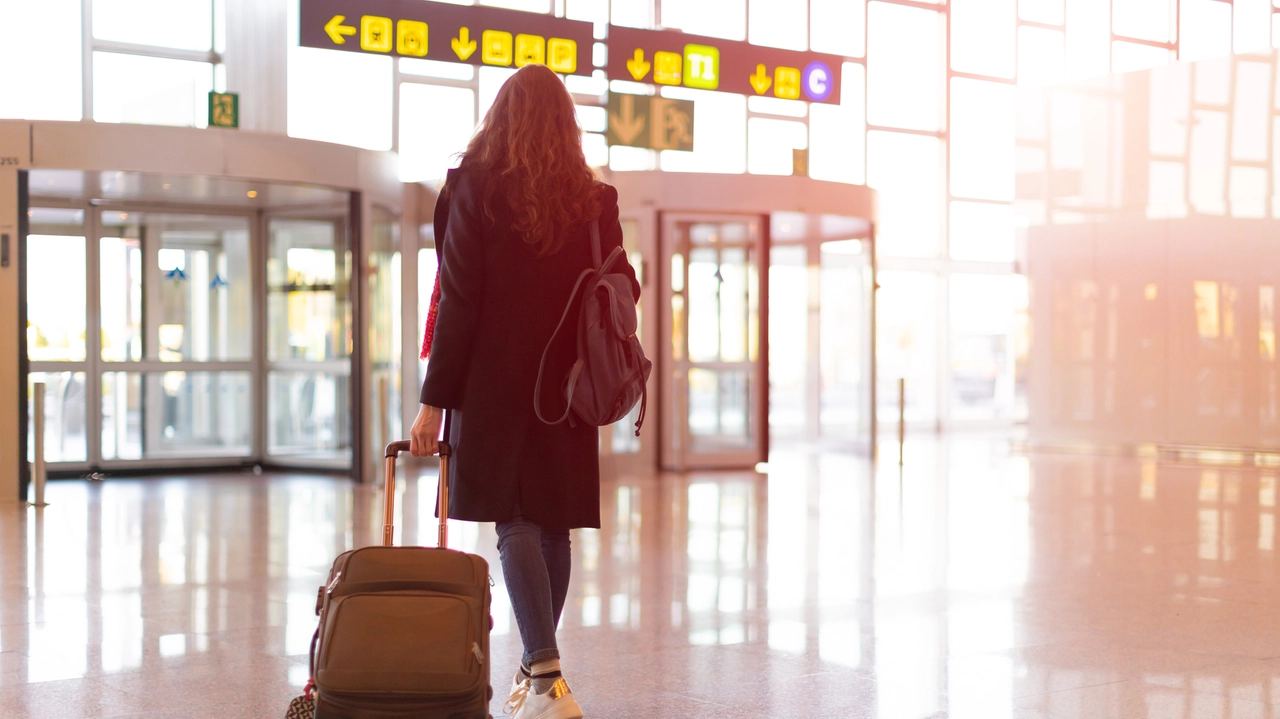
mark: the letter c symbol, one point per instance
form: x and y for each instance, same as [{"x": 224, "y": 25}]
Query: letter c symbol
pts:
[{"x": 817, "y": 81}]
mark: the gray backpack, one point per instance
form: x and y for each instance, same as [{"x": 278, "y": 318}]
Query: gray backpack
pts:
[{"x": 611, "y": 371}]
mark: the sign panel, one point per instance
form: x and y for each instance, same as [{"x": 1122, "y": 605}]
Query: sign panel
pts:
[
  {"x": 224, "y": 109},
  {"x": 474, "y": 35},
  {"x": 657, "y": 123},
  {"x": 665, "y": 57}
]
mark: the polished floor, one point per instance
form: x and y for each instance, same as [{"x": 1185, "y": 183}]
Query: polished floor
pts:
[{"x": 976, "y": 583}]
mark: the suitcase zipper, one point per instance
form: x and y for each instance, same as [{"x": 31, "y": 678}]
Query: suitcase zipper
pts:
[{"x": 475, "y": 649}]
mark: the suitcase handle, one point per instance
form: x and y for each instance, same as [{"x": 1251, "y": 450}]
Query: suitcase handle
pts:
[{"x": 389, "y": 492}]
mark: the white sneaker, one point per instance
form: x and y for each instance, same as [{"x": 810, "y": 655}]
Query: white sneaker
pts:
[{"x": 556, "y": 703}]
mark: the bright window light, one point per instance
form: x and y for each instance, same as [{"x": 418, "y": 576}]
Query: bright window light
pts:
[
  {"x": 1144, "y": 19},
  {"x": 1131, "y": 56},
  {"x": 1041, "y": 57},
  {"x": 720, "y": 133},
  {"x": 185, "y": 24},
  {"x": 981, "y": 232},
  {"x": 1249, "y": 121},
  {"x": 1088, "y": 40},
  {"x": 770, "y": 144},
  {"x": 1205, "y": 29},
  {"x": 982, "y": 140},
  {"x": 596, "y": 149},
  {"x": 907, "y": 171},
  {"x": 779, "y": 23},
  {"x": 1046, "y": 11},
  {"x": 1248, "y": 192},
  {"x": 543, "y": 6},
  {"x": 151, "y": 90},
  {"x": 1170, "y": 103},
  {"x": 631, "y": 13},
  {"x": 363, "y": 82},
  {"x": 588, "y": 10},
  {"x": 1252, "y": 26},
  {"x": 905, "y": 50},
  {"x": 1207, "y": 170},
  {"x": 982, "y": 37},
  {"x": 491, "y": 81},
  {"x": 430, "y": 140},
  {"x": 49, "y": 84},
  {"x": 838, "y": 27},
  {"x": 713, "y": 18},
  {"x": 837, "y": 135}
]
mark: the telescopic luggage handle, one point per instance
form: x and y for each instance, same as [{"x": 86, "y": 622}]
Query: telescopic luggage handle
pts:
[{"x": 389, "y": 492}]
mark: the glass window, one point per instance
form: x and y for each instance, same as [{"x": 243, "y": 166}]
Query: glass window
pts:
[
  {"x": 907, "y": 171},
  {"x": 65, "y": 438},
  {"x": 543, "y": 6},
  {"x": 308, "y": 304},
  {"x": 905, "y": 50},
  {"x": 907, "y": 342},
  {"x": 982, "y": 122},
  {"x": 838, "y": 27},
  {"x": 491, "y": 81},
  {"x": 1041, "y": 57},
  {"x": 436, "y": 123},
  {"x": 49, "y": 85},
  {"x": 1088, "y": 39},
  {"x": 1131, "y": 56},
  {"x": 779, "y": 23},
  {"x": 720, "y": 138},
  {"x": 309, "y": 414},
  {"x": 1250, "y": 119},
  {"x": 1208, "y": 162},
  {"x": 837, "y": 135},
  {"x": 184, "y": 24},
  {"x": 363, "y": 82},
  {"x": 631, "y": 13},
  {"x": 983, "y": 348},
  {"x": 176, "y": 414},
  {"x": 1144, "y": 19},
  {"x": 1046, "y": 11},
  {"x": 982, "y": 37},
  {"x": 588, "y": 10},
  {"x": 981, "y": 231},
  {"x": 1205, "y": 29},
  {"x": 1170, "y": 103},
  {"x": 842, "y": 318},
  {"x": 788, "y": 339},
  {"x": 713, "y": 18},
  {"x": 151, "y": 90},
  {"x": 770, "y": 144},
  {"x": 596, "y": 149},
  {"x": 1252, "y": 26},
  {"x": 56, "y": 275},
  {"x": 1248, "y": 192}
]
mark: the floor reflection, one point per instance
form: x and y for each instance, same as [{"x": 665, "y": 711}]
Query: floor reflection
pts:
[{"x": 971, "y": 583}]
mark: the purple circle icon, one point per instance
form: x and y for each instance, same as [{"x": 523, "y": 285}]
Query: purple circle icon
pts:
[{"x": 818, "y": 81}]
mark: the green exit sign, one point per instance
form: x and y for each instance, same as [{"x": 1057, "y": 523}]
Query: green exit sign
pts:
[{"x": 224, "y": 109}]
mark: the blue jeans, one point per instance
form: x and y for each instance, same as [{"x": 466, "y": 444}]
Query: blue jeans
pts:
[{"x": 535, "y": 564}]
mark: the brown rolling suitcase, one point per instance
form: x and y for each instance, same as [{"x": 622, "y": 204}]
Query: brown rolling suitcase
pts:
[{"x": 404, "y": 631}]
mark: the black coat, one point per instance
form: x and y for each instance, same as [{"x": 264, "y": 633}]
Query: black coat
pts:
[{"x": 499, "y": 305}]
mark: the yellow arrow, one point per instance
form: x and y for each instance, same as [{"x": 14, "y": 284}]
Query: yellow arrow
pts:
[
  {"x": 463, "y": 45},
  {"x": 637, "y": 65},
  {"x": 761, "y": 80},
  {"x": 336, "y": 29},
  {"x": 628, "y": 126}
]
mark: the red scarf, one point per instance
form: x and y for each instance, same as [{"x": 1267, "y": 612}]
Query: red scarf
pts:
[{"x": 432, "y": 311}]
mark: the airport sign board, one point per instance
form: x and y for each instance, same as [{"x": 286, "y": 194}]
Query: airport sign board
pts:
[
  {"x": 474, "y": 35},
  {"x": 666, "y": 57},
  {"x": 656, "y": 123}
]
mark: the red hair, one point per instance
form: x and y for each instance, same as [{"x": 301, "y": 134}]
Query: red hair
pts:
[{"x": 529, "y": 145}]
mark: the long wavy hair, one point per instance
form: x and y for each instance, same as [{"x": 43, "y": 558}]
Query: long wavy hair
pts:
[{"x": 530, "y": 150}]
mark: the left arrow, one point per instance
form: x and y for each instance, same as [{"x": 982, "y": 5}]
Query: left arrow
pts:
[{"x": 336, "y": 29}]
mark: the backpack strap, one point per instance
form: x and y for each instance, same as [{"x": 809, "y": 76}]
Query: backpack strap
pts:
[
  {"x": 596, "y": 255},
  {"x": 577, "y": 367}
]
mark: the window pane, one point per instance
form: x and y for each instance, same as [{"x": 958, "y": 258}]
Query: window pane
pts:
[
  {"x": 308, "y": 415},
  {"x": 1047, "y": 11},
  {"x": 982, "y": 37},
  {"x": 1208, "y": 165},
  {"x": 491, "y": 81},
  {"x": 713, "y": 18},
  {"x": 436, "y": 123},
  {"x": 720, "y": 133},
  {"x": 838, "y": 27},
  {"x": 981, "y": 232},
  {"x": 906, "y": 171},
  {"x": 1145, "y": 19},
  {"x": 308, "y": 303},
  {"x": 56, "y": 298},
  {"x": 151, "y": 90},
  {"x": 1130, "y": 56},
  {"x": 1205, "y": 29},
  {"x": 1041, "y": 56},
  {"x": 982, "y": 120},
  {"x": 48, "y": 87},
  {"x": 984, "y": 346},
  {"x": 779, "y": 23},
  {"x": 588, "y": 10},
  {"x": 1088, "y": 39},
  {"x": 905, "y": 50},
  {"x": 185, "y": 24},
  {"x": 906, "y": 334},
  {"x": 1249, "y": 121},
  {"x": 64, "y": 416},
  {"x": 176, "y": 414},
  {"x": 1252, "y": 25},
  {"x": 364, "y": 82},
  {"x": 543, "y": 6},
  {"x": 837, "y": 135},
  {"x": 770, "y": 144}
]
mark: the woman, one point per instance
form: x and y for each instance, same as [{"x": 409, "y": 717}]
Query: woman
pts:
[{"x": 515, "y": 222}]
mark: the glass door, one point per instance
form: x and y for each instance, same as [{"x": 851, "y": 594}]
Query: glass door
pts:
[
  {"x": 713, "y": 382},
  {"x": 309, "y": 341}
]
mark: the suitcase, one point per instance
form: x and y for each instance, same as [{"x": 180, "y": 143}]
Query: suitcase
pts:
[{"x": 404, "y": 631}]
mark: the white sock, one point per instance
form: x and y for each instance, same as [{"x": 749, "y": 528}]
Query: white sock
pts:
[
  {"x": 545, "y": 666},
  {"x": 545, "y": 674}
]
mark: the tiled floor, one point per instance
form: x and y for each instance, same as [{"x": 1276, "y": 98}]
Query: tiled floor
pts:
[{"x": 975, "y": 584}]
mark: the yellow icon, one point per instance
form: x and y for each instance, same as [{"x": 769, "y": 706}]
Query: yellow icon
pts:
[
  {"x": 530, "y": 50},
  {"x": 786, "y": 82},
  {"x": 495, "y": 47},
  {"x": 637, "y": 66},
  {"x": 668, "y": 68},
  {"x": 375, "y": 33},
  {"x": 411, "y": 38},
  {"x": 335, "y": 30},
  {"x": 702, "y": 66},
  {"x": 761, "y": 81},
  {"x": 463, "y": 45},
  {"x": 562, "y": 55}
]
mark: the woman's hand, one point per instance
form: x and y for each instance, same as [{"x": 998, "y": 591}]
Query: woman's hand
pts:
[{"x": 424, "y": 437}]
